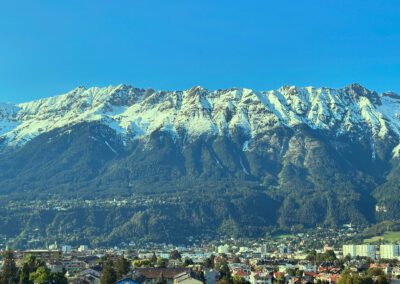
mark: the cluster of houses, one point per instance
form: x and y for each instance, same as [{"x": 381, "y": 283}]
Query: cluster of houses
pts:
[{"x": 253, "y": 262}]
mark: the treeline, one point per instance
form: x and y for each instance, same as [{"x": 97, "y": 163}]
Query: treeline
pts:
[
  {"x": 33, "y": 271},
  {"x": 114, "y": 269},
  {"x": 371, "y": 276}
]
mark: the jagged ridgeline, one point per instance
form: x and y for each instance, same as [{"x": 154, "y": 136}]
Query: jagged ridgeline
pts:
[{"x": 197, "y": 162}]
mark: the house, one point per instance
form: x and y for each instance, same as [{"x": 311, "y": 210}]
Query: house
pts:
[
  {"x": 90, "y": 260},
  {"x": 152, "y": 275},
  {"x": 260, "y": 278},
  {"x": 88, "y": 276},
  {"x": 241, "y": 274},
  {"x": 73, "y": 266},
  {"x": 186, "y": 278},
  {"x": 90, "y": 272}
]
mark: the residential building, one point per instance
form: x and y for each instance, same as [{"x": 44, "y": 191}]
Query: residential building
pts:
[
  {"x": 349, "y": 250},
  {"x": 260, "y": 278},
  {"x": 366, "y": 251},
  {"x": 360, "y": 250},
  {"x": 186, "y": 278},
  {"x": 389, "y": 251},
  {"x": 223, "y": 249}
]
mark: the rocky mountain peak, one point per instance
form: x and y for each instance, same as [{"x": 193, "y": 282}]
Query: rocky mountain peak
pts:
[
  {"x": 352, "y": 110},
  {"x": 357, "y": 91}
]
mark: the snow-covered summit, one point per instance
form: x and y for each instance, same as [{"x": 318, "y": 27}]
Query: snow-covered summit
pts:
[{"x": 136, "y": 113}]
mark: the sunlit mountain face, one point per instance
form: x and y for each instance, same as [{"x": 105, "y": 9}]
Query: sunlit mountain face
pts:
[{"x": 202, "y": 161}]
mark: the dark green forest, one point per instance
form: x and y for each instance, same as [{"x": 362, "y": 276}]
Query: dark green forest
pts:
[{"x": 208, "y": 187}]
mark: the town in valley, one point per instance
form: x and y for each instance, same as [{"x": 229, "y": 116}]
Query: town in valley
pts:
[{"x": 321, "y": 255}]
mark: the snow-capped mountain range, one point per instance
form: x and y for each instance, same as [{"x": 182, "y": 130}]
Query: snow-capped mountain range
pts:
[
  {"x": 236, "y": 157},
  {"x": 136, "y": 113}
]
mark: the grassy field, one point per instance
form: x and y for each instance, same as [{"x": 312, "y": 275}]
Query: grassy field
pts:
[
  {"x": 285, "y": 236},
  {"x": 388, "y": 236}
]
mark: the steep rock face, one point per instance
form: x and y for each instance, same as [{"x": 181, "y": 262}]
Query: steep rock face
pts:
[{"x": 301, "y": 156}]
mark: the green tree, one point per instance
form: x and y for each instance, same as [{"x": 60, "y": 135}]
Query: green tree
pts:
[
  {"x": 224, "y": 280},
  {"x": 154, "y": 259},
  {"x": 121, "y": 266},
  {"x": 41, "y": 275},
  {"x": 209, "y": 262},
  {"x": 329, "y": 255},
  {"x": 109, "y": 274},
  {"x": 31, "y": 264},
  {"x": 58, "y": 278},
  {"x": 9, "y": 271},
  {"x": 224, "y": 270},
  {"x": 238, "y": 280},
  {"x": 381, "y": 279},
  {"x": 175, "y": 255},
  {"x": 354, "y": 278},
  {"x": 24, "y": 274},
  {"x": 312, "y": 256},
  {"x": 162, "y": 262},
  {"x": 188, "y": 261},
  {"x": 375, "y": 271}
]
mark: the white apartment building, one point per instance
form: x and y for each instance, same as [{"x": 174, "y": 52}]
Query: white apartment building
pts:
[
  {"x": 360, "y": 250},
  {"x": 366, "y": 250},
  {"x": 223, "y": 249},
  {"x": 349, "y": 250},
  {"x": 389, "y": 251}
]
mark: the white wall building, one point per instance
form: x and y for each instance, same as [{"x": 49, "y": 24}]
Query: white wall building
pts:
[
  {"x": 366, "y": 250},
  {"x": 389, "y": 251},
  {"x": 223, "y": 249},
  {"x": 349, "y": 250},
  {"x": 83, "y": 248},
  {"x": 360, "y": 250},
  {"x": 66, "y": 249},
  {"x": 260, "y": 278}
]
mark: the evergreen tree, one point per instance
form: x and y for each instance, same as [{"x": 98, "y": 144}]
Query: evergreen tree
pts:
[
  {"x": 9, "y": 271},
  {"x": 154, "y": 259},
  {"x": 24, "y": 274},
  {"x": 162, "y": 262},
  {"x": 188, "y": 261},
  {"x": 209, "y": 262},
  {"x": 175, "y": 255},
  {"x": 109, "y": 274},
  {"x": 58, "y": 278},
  {"x": 121, "y": 266}
]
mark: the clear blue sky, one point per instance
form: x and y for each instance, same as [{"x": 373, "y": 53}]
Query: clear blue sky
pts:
[{"x": 49, "y": 47}]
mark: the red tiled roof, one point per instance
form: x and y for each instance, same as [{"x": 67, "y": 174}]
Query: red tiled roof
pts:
[{"x": 240, "y": 273}]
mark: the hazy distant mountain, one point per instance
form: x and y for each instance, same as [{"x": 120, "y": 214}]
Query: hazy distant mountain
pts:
[{"x": 235, "y": 157}]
